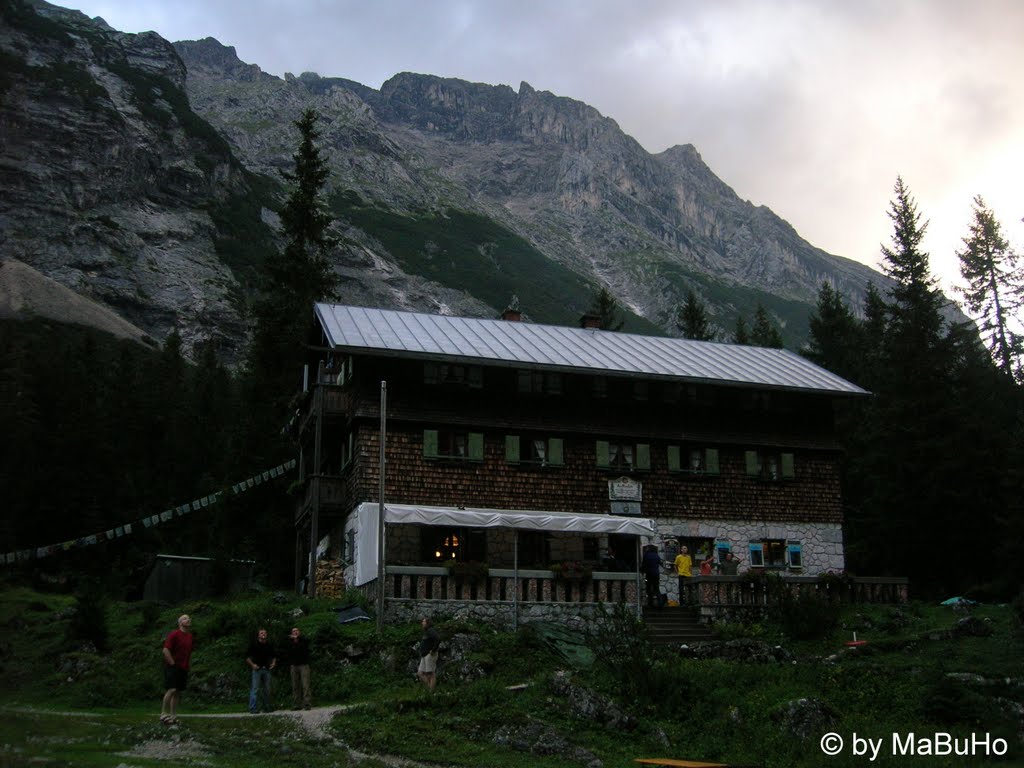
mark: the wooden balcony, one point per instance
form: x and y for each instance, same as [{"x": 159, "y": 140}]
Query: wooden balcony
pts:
[
  {"x": 332, "y": 496},
  {"x": 506, "y": 585}
]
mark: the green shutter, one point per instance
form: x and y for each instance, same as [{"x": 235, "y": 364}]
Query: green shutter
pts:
[
  {"x": 476, "y": 446},
  {"x": 753, "y": 463},
  {"x": 512, "y": 449},
  {"x": 643, "y": 456},
  {"x": 788, "y": 466},
  {"x": 476, "y": 377},
  {"x": 711, "y": 461},
  {"x": 673, "y": 458},
  {"x": 555, "y": 451},
  {"x": 430, "y": 442},
  {"x": 430, "y": 373},
  {"x": 602, "y": 453}
]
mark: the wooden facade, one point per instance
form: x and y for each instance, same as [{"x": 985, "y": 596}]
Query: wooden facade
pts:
[{"x": 506, "y": 437}]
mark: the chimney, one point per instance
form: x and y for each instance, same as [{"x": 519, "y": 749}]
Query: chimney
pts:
[
  {"x": 590, "y": 320},
  {"x": 512, "y": 313}
]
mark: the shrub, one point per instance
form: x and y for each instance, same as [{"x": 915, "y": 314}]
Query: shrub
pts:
[
  {"x": 804, "y": 617},
  {"x": 89, "y": 621}
]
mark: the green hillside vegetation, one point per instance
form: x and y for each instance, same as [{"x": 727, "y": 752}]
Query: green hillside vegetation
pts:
[
  {"x": 500, "y": 697},
  {"x": 472, "y": 253}
]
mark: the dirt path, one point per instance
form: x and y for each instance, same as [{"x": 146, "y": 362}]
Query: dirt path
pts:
[{"x": 314, "y": 720}]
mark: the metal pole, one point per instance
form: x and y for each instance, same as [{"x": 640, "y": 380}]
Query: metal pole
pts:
[
  {"x": 515, "y": 578},
  {"x": 380, "y": 506},
  {"x": 639, "y": 610},
  {"x": 314, "y": 520}
]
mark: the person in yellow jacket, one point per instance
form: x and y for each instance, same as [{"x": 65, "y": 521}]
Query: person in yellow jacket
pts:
[{"x": 684, "y": 570}]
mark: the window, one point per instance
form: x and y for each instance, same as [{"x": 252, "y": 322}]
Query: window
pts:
[
  {"x": 640, "y": 390},
  {"x": 533, "y": 549},
  {"x": 438, "y": 545},
  {"x": 539, "y": 383},
  {"x": 453, "y": 375},
  {"x": 624, "y": 457},
  {"x": 448, "y": 444},
  {"x": 533, "y": 450},
  {"x": 671, "y": 392},
  {"x": 771, "y": 466},
  {"x": 347, "y": 447},
  {"x": 599, "y": 387},
  {"x": 693, "y": 459},
  {"x": 769, "y": 553}
]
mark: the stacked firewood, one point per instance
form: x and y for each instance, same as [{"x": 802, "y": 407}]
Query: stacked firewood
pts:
[{"x": 330, "y": 579}]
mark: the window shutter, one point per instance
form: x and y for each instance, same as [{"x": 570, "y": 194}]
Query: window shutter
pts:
[
  {"x": 788, "y": 466},
  {"x": 643, "y": 456},
  {"x": 512, "y": 449},
  {"x": 524, "y": 382},
  {"x": 602, "y": 453},
  {"x": 753, "y": 463},
  {"x": 430, "y": 373},
  {"x": 673, "y": 458},
  {"x": 794, "y": 555},
  {"x": 711, "y": 461},
  {"x": 476, "y": 446},
  {"x": 476, "y": 377},
  {"x": 555, "y": 451},
  {"x": 430, "y": 442}
]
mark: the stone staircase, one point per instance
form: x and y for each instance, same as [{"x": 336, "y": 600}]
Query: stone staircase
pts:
[{"x": 675, "y": 626}]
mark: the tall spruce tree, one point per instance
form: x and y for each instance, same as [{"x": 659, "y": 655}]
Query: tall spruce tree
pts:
[
  {"x": 740, "y": 334},
  {"x": 606, "y": 308},
  {"x": 995, "y": 286},
  {"x": 836, "y": 338},
  {"x": 692, "y": 319},
  {"x": 764, "y": 332},
  {"x": 292, "y": 280}
]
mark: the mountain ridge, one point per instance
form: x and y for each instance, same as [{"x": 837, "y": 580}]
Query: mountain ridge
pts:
[{"x": 146, "y": 175}]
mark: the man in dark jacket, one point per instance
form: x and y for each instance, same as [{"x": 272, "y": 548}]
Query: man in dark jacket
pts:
[
  {"x": 651, "y": 567},
  {"x": 261, "y": 660},
  {"x": 429, "y": 643},
  {"x": 298, "y": 659}
]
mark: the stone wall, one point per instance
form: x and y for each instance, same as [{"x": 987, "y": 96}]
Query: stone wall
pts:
[{"x": 500, "y": 614}]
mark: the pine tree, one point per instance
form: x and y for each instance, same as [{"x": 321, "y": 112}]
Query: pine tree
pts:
[
  {"x": 836, "y": 339},
  {"x": 607, "y": 309},
  {"x": 764, "y": 332},
  {"x": 692, "y": 319},
  {"x": 995, "y": 286},
  {"x": 295, "y": 277},
  {"x": 741, "y": 335}
]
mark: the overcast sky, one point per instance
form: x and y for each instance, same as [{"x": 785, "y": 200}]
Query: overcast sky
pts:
[{"x": 809, "y": 107}]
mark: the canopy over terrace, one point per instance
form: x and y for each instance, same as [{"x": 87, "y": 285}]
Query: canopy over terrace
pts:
[{"x": 474, "y": 517}]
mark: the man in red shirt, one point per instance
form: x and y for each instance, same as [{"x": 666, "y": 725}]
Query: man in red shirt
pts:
[{"x": 177, "y": 653}]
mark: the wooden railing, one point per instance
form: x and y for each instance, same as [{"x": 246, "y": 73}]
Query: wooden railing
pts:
[
  {"x": 744, "y": 591},
  {"x": 507, "y": 585}
]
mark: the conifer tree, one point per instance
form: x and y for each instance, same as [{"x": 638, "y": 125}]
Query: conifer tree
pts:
[
  {"x": 995, "y": 286},
  {"x": 835, "y": 339},
  {"x": 741, "y": 335},
  {"x": 764, "y": 332},
  {"x": 607, "y": 309},
  {"x": 295, "y": 277},
  {"x": 692, "y": 319}
]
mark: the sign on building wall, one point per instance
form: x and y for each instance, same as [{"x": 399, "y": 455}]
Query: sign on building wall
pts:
[{"x": 625, "y": 489}]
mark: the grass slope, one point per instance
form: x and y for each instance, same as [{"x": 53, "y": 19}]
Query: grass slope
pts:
[{"x": 684, "y": 708}]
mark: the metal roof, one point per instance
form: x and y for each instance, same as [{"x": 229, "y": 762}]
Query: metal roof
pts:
[{"x": 529, "y": 345}]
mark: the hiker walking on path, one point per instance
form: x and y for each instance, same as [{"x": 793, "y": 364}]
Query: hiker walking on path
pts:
[
  {"x": 298, "y": 659},
  {"x": 429, "y": 643},
  {"x": 261, "y": 660},
  {"x": 177, "y": 653}
]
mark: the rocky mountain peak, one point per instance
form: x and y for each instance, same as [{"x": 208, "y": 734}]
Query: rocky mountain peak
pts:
[{"x": 215, "y": 57}]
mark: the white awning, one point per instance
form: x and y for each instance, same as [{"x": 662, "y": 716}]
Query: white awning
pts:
[{"x": 475, "y": 517}]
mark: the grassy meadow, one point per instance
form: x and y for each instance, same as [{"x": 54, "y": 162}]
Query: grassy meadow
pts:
[{"x": 81, "y": 683}]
